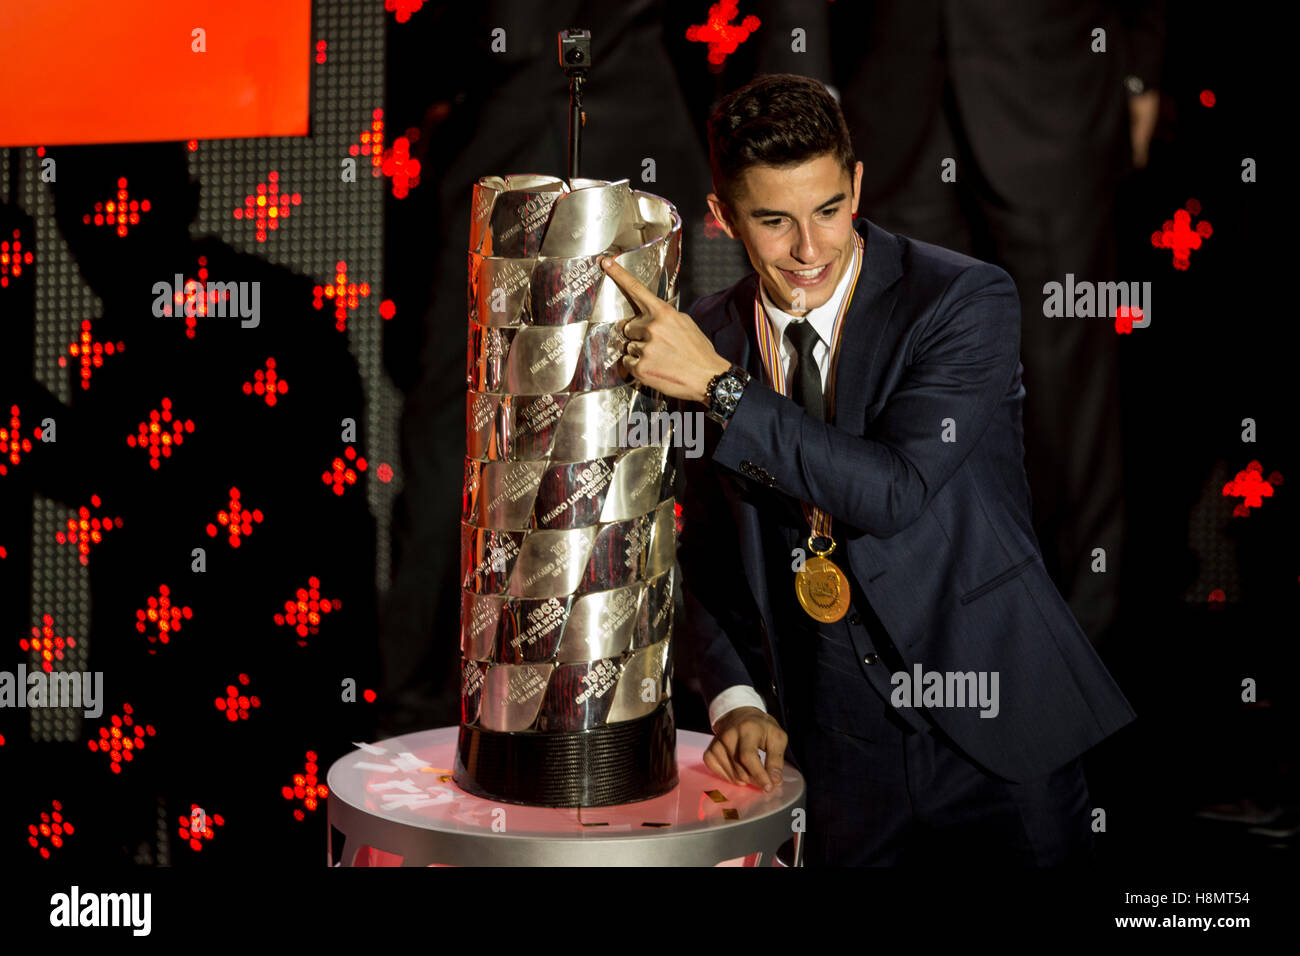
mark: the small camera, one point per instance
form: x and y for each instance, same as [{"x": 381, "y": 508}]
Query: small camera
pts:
[{"x": 575, "y": 50}]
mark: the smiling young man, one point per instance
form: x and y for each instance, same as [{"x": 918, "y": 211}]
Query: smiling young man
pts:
[{"x": 856, "y": 538}]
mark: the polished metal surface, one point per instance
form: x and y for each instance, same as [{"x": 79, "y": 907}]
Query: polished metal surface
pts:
[
  {"x": 567, "y": 534},
  {"x": 601, "y": 624},
  {"x": 512, "y": 695},
  {"x": 586, "y": 221},
  {"x": 642, "y": 683},
  {"x": 509, "y": 217}
]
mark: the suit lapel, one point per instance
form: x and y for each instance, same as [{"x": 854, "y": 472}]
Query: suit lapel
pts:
[
  {"x": 737, "y": 340},
  {"x": 874, "y": 295}
]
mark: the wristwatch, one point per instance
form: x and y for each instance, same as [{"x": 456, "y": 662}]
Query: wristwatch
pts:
[{"x": 723, "y": 393}]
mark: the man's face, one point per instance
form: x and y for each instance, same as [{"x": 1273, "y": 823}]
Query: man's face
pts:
[{"x": 797, "y": 225}]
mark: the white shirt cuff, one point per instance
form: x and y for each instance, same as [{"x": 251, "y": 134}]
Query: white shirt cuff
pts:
[{"x": 739, "y": 695}]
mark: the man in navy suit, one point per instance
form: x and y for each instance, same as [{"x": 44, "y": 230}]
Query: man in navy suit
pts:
[{"x": 856, "y": 535}]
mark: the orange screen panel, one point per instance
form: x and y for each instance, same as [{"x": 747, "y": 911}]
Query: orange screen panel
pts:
[{"x": 86, "y": 71}]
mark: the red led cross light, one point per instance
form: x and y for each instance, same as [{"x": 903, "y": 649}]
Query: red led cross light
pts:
[
  {"x": 52, "y": 829},
  {"x": 345, "y": 294},
  {"x": 44, "y": 642},
  {"x": 266, "y": 384},
  {"x": 89, "y": 352},
  {"x": 160, "y": 433},
  {"x": 400, "y": 166},
  {"x": 237, "y": 703},
  {"x": 121, "y": 211},
  {"x": 372, "y": 143},
  {"x": 341, "y": 474},
  {"x": 1251, "y": 486},
  {"x": 83, "y": 530},
  {"x": 12, "y": 258},
  {"x": 121, "y": 739},
  {"x": 320, "y": 51},
  {"x": 1178, "y": 236},
  {"x": 238, "y": 521},
  {"x": 196, "y": 300},
  {"x": 304, "y": 613},
  {"x": 403, "y": 8},
  {"x": 722, "y": 36},
  {"x": 12, "y": 445},
  {"x": 1125, "y": 316},
  {"x": 305, "y": 787},
  {"x": 198, "y": 826},
  {"x": 267, "y": 206},
  {"x": 161, "y": 618}
]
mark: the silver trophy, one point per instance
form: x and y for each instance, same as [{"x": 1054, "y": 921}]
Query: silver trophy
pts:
[{"x": 568, "y": 530}]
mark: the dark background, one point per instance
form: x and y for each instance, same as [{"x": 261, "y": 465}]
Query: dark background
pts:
[{"x": 1213, "y": 356}]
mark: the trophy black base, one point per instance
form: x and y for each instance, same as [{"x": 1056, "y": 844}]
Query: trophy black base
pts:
[{"x": 619, "y": 763}]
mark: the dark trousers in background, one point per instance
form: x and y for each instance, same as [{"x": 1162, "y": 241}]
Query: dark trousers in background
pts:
[{"x": 1073, "y": 453}]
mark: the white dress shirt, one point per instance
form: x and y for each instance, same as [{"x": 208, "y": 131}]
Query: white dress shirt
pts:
[{"x": 823, "y": 320}]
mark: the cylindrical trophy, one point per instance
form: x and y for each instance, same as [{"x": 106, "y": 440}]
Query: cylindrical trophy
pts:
[{"x": 568, "y": 531}]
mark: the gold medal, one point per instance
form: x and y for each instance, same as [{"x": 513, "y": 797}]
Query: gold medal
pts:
[{"x": 821, "y": 587}]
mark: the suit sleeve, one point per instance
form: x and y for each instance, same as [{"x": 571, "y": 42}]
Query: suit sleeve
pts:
[{"x": 960, "y": 365}]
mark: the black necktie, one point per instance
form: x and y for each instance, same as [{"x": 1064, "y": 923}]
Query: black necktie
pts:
[{"x": 808, "y": 388}]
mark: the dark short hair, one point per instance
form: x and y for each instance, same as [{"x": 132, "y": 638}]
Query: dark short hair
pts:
[{"x": 779, "y": 119}]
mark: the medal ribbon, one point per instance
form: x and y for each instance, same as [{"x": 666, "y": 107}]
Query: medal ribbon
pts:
[{"x": 770, "y": 351}]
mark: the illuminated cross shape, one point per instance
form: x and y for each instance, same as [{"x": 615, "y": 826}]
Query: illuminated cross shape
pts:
[
  {"x": 83, "y": 530},
  {"x": 722, "y": 36},
  {"x": 1125, "y": 317},
  {"x": 12, "y": 445},
  {"x": 304, "y": 613},
  {"x": 236, "y": 703},
  {"x": 52, "y": 829},
  {"x": 160, "y": 433},
  {"x": 403, "y": 8},
  {"x": 372, "y": 143},
  {"x": 267, "y": 206},
  {"x": 305, "y": 788},
  {"x": 120, "y": 212},
  {"x": 267, "y": 384},
  {"x": 46, "y": 643},
  {"x": 162, "y": 616},
  {"x": 199, "y": 826},
  {"x": 89, "y": 352},
  {"x": 400, "y": 166},
  {"x": 12, "y": 258},
  {"x": 238, "y": 521},
  {"x": 345, "y": 294},
  {"x": 195, "y": 301},
  {"x": 1251, "y": 487},
  {"x": 121, "y": 738},
  {"x": 1179, "y": 237},
  {"x": 341, "y": 474}
]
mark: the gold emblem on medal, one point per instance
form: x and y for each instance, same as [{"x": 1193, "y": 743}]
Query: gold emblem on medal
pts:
[{"x": 822, "y": 590}]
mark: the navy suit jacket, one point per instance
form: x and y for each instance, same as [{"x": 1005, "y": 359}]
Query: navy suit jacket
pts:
[{"x": 936, "y": 532}]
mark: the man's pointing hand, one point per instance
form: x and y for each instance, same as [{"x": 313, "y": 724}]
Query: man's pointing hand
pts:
[{"x": 666, "y": 349}]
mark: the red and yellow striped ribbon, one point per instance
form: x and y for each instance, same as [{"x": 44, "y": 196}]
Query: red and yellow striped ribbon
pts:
[{"x": 770, "y": 351}]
